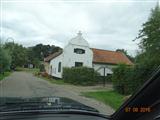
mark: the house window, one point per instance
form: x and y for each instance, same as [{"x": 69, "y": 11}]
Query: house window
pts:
[
  {"x": 108, "y": 74},
  {"x": 78, "y": 64},
  {"x": 59, "y": 67},
  {"x": 79, "y": 51},
  {"x": 51, "y": 70}
]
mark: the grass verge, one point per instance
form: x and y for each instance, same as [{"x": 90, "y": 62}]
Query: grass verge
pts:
[
  {"x": 52, "y": 80},
  {"x": 110, "y": 98},
  {"x": 2, "y": 76},
  {"x": 31, "y": 70}
]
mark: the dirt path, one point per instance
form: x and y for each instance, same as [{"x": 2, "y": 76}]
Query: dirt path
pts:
[{"x": 22, "y": 84}]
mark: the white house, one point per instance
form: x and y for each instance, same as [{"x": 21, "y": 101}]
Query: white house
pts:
[{"x": 78, "y": 53}]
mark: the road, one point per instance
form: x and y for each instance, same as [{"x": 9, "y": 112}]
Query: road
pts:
[{"x": 23, "y": 84}]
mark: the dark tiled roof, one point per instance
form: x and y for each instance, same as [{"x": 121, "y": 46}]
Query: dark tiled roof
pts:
[
  {"x": 110, "y": 57},
  {"x": 50, "y": 57}
]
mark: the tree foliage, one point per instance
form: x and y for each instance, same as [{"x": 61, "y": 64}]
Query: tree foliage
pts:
[
  {"x": 18, "y": 54},
  {"x": 126, "y": 53},
  {"x": 5, "y": 60},
  {"x": 41, "y": 51},
  {"x": 128, "y": 79},
  {"x": 149, "y": 37},
  {"x": 21, "y": 56},
  {"x": 119, "y": 78}
]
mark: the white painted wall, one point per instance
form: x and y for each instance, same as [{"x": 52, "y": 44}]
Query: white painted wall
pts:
[
  {"x": 54, "y": 66},
  {"x": 69, "y": 57},
  {"x": 108, "y": 70}
]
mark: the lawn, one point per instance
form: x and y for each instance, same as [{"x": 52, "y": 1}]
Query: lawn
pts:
[
  {"x": 110, "y": 98},
  {"x": 31, "y": 70},
  {"x": 2, "y": 76}
]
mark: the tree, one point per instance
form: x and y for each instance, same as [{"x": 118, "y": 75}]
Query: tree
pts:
[
  {"x": 127, "y": 80},
  {"x": 41, "y": 51},
  {"x": 31, "y": 59},
  {"x": 126, "y": 53},
  {"x": 5, "y": 60},
  {"x": 18, "y": 54},
  {"x": 149, "y": 58},
  {"x": 149, "y": 37}
]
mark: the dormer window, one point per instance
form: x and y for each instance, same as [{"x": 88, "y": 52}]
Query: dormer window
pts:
[{"x": 79, "y": 51}]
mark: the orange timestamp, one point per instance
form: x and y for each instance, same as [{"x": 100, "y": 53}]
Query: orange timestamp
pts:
[{"x": 137, "y": 109}]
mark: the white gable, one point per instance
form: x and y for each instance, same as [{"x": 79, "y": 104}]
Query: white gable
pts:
[{"x": 79, "y": 40}]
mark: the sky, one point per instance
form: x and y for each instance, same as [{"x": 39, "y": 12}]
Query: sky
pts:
[{"x": 105, "y": 24}]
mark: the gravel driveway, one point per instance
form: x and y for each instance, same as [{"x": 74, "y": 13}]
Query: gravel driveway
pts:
[{"x": 23, "y": 84}]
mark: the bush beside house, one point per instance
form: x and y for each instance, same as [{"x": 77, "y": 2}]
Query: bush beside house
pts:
[
  {"x": 80, "y": 76},
  {"x": 127, "y": 79}
]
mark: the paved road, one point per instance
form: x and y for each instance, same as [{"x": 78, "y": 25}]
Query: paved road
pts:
[{"x": 22, "y": 84}]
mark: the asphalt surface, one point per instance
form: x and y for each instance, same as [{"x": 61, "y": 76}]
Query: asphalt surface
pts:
[{"x": 23, "y": 84}]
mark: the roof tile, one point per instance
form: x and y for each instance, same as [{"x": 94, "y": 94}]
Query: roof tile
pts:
[{"x": 110, "y": 57}]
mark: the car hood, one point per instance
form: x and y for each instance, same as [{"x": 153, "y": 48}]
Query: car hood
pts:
[{"x": 19, "y": 103}]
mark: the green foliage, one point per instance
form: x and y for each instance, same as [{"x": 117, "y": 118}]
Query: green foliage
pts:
[
  {"x": 41, "y": 51},
  {"x": 108, "y": 78},
  {"x": 120, "y": 82},
  {"x": 150, "y": 40},
  {"x": 18, "y": 54},
  {"x": 5, "y": 74},
  {"x": 5, "y": 60},
  {"x": 149, "y": 57},
  {"x": 31, "y": 58},
  {"x": 41, "y": 68},
  {"x": 127, "y": 80},
  {"x": 80, "y": 76},
  {"x": 33, "y": 55}
]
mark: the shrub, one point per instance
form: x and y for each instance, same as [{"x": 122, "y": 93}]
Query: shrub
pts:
[
  {"x": 127, "y": 80},
  {"x": 137, "y": 76},
  {"x": 41, "y": 68},
  {"x": 109, "y": 78},
  {"x": 119, "y": 78},
  {"x": 80, "y": 76},
  {"x": 5, "y": 60}
]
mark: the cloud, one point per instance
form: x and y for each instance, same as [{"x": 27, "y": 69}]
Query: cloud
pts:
[{"x": 108, "y": 25}]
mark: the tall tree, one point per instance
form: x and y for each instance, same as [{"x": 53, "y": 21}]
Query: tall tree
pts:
[
  {"x": 18, "y": 54},
  {"x": 126, "y": 53},
  {"x": 40, "y": 51},
  {"x": 149, "y": 37},
  {"x": 5, "y": 60}
]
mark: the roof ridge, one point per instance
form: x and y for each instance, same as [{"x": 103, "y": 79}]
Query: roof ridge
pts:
[{"x": 104, "y": 49}]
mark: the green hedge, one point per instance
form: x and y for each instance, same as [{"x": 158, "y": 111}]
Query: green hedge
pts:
[
  {"x": 80, "y": 76},
  {"x": 127, "y": 80},
  {"x": 120, "y": 79},
  {"x": 41, "y": 68}
]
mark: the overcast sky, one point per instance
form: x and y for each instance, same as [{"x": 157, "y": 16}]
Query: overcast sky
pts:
[{"x": 104, "y": 24}]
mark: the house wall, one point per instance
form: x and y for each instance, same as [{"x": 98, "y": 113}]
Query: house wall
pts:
[
  {"x": 100, "y": 68},
  {"x": 70, "y": 57},
  {"x": 46, "y": 65},
  {"x": 53, "y": 67}
]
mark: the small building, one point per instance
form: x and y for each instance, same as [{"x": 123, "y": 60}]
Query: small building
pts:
[{"x": 78, "y": 53}]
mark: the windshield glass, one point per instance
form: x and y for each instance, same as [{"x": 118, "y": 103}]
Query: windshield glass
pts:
[{"x": 83, "y": 55}]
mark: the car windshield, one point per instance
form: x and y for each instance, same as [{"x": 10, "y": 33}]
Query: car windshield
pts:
[{"x": 76, "y": 55}]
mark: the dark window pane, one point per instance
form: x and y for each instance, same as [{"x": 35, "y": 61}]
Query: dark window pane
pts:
[
  {"x": 79, "y": 51},
  {"x": 59, "y": 67},
  {"x": 78, "y": 64}
]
